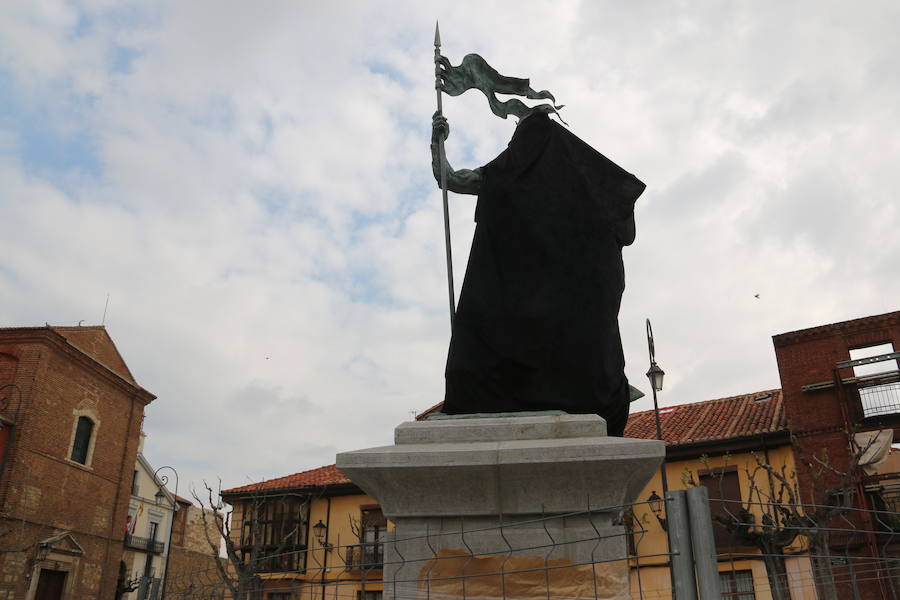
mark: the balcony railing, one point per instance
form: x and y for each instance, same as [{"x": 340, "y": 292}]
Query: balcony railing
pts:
[
  {"x": 880, "y": 397},
  {"x": 365, "y": 557},
  {"x": 145, "y": 544},
  {"x": 275, "y": 558}
]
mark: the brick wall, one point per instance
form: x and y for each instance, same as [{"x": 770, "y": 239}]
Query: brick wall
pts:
[
  {"x": 821, "y": 420},
  {"x": 42, "y": 492},
  {"x": 808, "y": 356}
]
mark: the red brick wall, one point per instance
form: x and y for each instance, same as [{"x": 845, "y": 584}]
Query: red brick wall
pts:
[
  {"x": 817, "y": 419},
  {"x": 809, "y": 356},
  {"x": 42, "y": 493}
]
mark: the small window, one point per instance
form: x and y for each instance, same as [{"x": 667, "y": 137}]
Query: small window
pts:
[
  {"x": 724, "y": 490},
  {"x": 82, "y": 440},
  {"x": 737, "y": 585},
  {"x": 134, "y": 483},
  {"x": 151, "y": 533}
]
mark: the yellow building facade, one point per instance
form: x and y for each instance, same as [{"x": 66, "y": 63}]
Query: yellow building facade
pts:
[
  {"x": 739, "y": 569},
  {"x": 309, "y": 535},
  {"x": 714, "y": 443},
  {"x": 720, "y": 444},
  {"x": 335, "y": 530}
]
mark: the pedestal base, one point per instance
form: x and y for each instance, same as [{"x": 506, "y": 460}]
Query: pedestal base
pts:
[{"x": 505, "y": 507}]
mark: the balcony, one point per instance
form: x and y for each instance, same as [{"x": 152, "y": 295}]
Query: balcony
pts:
[
  {"x": 365, "y": 557},
  {"x": 276, "y": 558},
  {"x": 144, "y": 544},
  {"x": 879, "y": 396}
]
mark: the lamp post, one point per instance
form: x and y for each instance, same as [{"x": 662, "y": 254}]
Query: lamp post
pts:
[
  {"x": 160, "y": 495},
  {"x": 655, "y": 375}
]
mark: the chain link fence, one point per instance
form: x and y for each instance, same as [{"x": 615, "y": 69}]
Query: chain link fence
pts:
[{"x": 829, "y": 553}]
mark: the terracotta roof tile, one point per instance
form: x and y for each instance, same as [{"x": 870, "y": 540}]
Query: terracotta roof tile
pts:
[
  {"x": 720, "y": 419},
  {"x": 320, "y": 477}
]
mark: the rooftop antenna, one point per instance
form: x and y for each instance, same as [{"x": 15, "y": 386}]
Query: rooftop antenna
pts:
[{"x": 103, "y": 321}]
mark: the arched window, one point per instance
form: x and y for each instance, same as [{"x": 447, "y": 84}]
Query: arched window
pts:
[{"x": 82, "y": 440}]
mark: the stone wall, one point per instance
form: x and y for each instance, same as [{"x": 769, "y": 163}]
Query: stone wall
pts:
[{"x": 192, "y": 566}]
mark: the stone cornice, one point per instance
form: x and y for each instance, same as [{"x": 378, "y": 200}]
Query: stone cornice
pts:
[{"x": 863, "y": 324}]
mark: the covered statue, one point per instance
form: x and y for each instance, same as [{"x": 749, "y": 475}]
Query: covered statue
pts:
[{"x": 536, "y": 327}]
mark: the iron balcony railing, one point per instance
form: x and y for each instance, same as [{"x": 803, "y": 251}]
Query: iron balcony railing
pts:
[
  {"x": 365, "y": 557},
  {"x": 274, "y": 558},
  {"x": 145, "y": 544}
]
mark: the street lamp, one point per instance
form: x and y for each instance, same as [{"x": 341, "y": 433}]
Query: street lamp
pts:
[
  {"x": 160, "y": 495},
  {"x": 320, "y": 530},
  {"x": 655, "y": 375},
  {"x": 656, "y": 503}
]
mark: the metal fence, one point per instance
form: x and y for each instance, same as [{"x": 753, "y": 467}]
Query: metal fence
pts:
[
  {"x": 842, "y": 552},
  {"x": 830, "y": 553}
]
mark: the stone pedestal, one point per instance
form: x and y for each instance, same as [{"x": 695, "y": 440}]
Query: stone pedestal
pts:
[{"x": 505, "y": 506}]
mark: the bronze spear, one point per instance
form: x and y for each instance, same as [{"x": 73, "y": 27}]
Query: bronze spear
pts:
[{"x": 443, "y": 159}]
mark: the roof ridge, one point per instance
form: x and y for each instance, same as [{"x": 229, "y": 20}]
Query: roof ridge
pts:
[
  {"x": 711, "y": 400},
  {"x": 294, "y": 480}
]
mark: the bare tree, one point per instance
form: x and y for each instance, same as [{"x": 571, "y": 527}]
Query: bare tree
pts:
[
  {"x": 833, "y": 493},
  {"x": 775, "y": 496},
  {"x": 268, "y": 539}
]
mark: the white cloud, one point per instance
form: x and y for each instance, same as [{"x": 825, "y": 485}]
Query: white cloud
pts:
[{"x": 265, "y": 219}]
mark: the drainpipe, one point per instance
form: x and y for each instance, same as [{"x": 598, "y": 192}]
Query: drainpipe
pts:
[{"x": 325, "y": 549}]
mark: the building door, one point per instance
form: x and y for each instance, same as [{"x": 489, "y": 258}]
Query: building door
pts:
[{"x": 50, "y": 585}]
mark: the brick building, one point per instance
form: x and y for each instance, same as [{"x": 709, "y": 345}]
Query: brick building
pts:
[
  {"x": 71, "y": 414},
  {"x": 841, "y": 386}
]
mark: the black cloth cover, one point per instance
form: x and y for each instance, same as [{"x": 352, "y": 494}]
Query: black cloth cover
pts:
[{"x": 537, "y": 322}]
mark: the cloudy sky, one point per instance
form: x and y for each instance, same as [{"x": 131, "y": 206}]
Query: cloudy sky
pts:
[{"x": 250, "y": 183}]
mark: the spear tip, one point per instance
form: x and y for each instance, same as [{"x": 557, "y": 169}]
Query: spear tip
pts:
[{"x": 437, "y": 35}]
